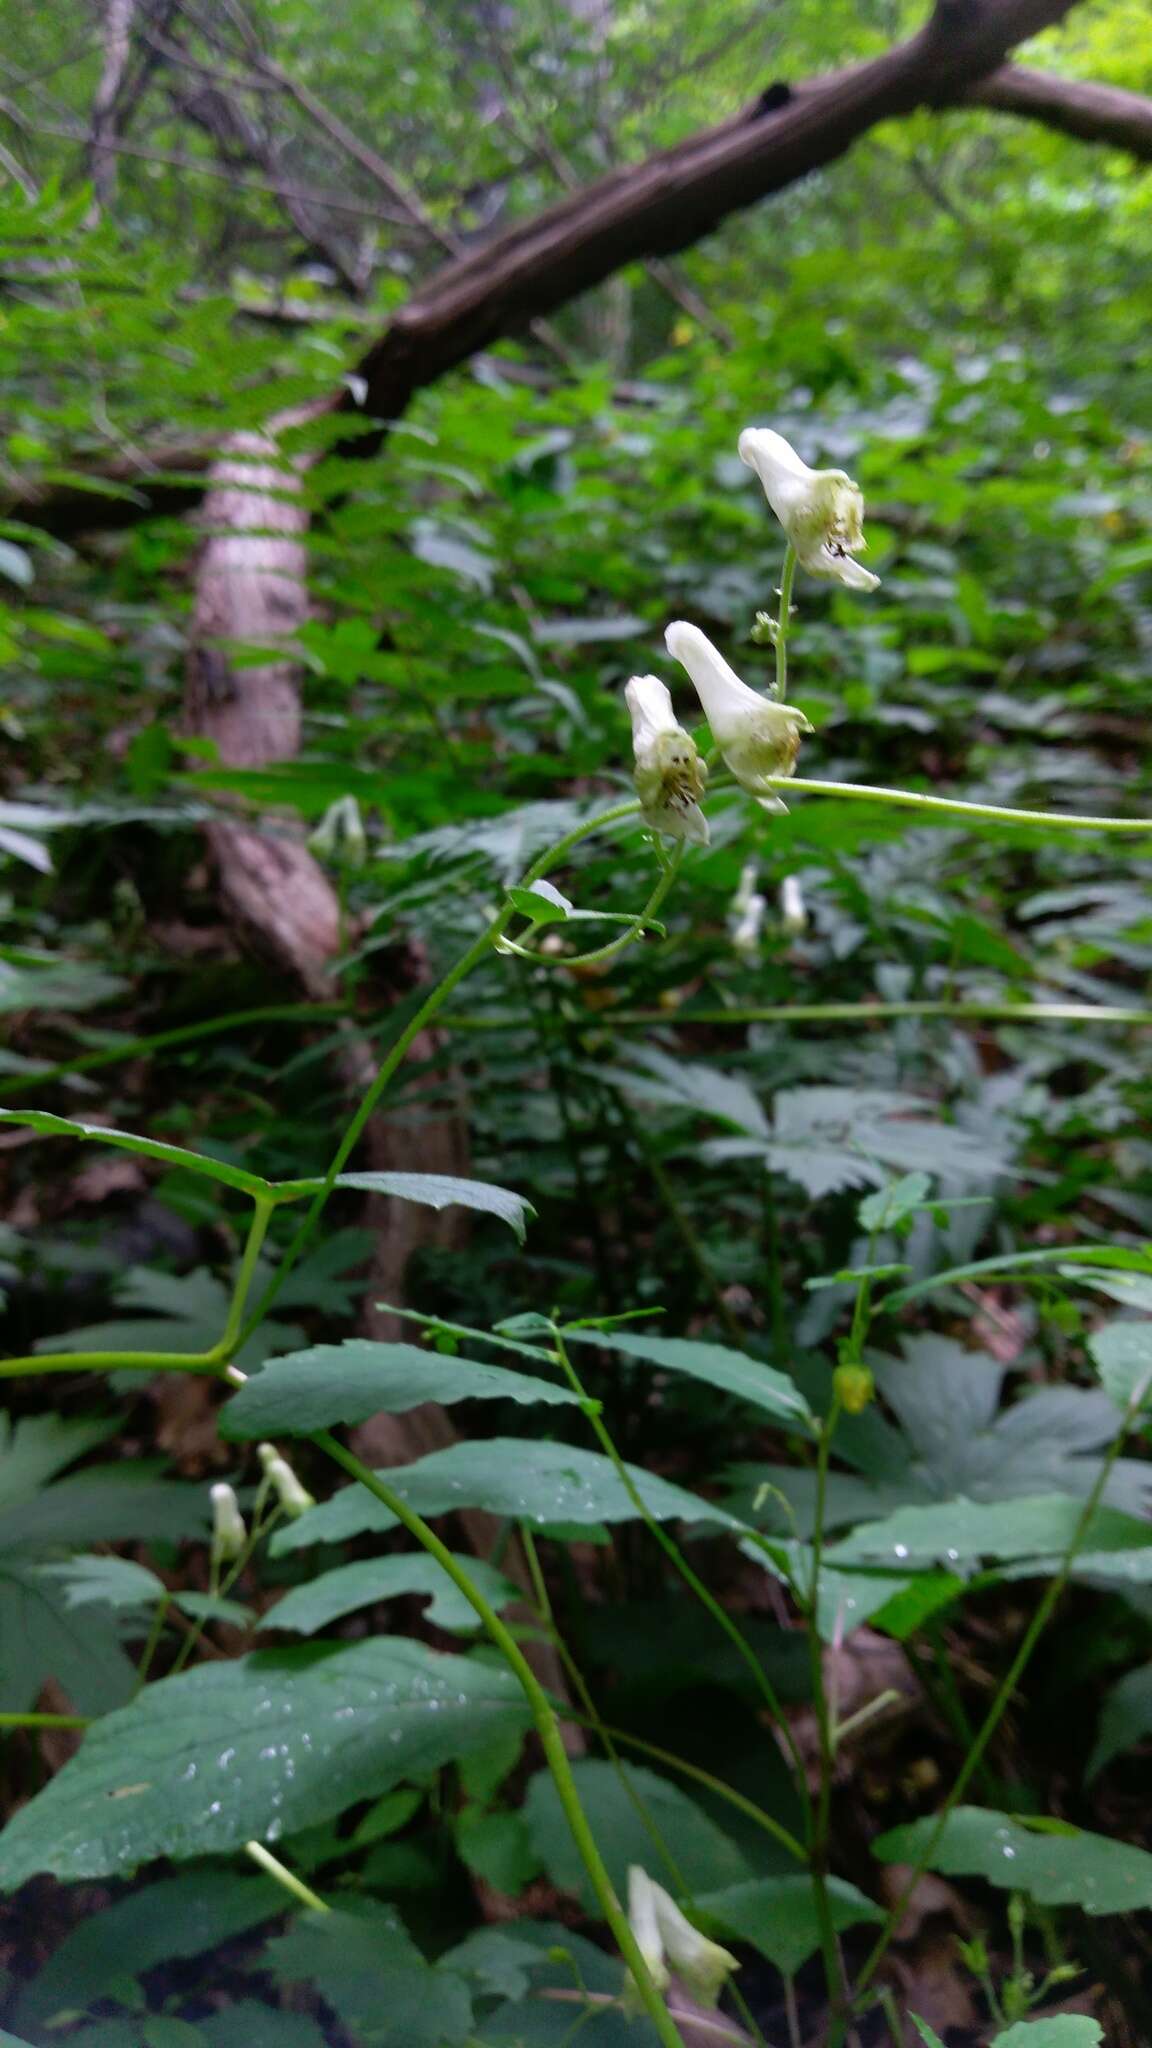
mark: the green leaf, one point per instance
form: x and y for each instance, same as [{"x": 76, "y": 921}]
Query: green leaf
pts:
[
  {"x": 760, "y": 1385},
  {"x": 525, "y": 1481},
  {"x": 1057, "y": 1865},
  {"x": 105, "y": 1581},
  {"x": 947, "y": 1532},
  {"x": 374, "y": 1977},
  {"x": 348, "y": 1382},
  {"x": 180, "y": 1916},
  {"x": 1125, "y": 1718},
  {"x": 705, "y": 1857},
  {"x": 42, "y": 1639},
  {"x": 928, "y": 2035},
  {"x": 1058, "y": 2030},
  {"x": 541, "y": 903},
  {"x": 251, "y": 2025},
  {"x": 890, "y": 1205},
  {"x": 267, "y": 1744},
  {"x": 497, "y": 1847},
  {"x": 148, "y": 1148},
  {"x": 317, "y": 1602},
  {"x": 433, "y": 1191},
  {"x": 778, "y": 1915},
  {"x": 1122, "y": 1354}
]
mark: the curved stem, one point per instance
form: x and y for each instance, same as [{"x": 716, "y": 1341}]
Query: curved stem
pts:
[
  {"x": 818, "y": 1843},
  {"x": 783, "y": 622},
  {"x": 634, "y": 931},
  {"x": 547, "y": 1728},
  {"x": 916, "y": 800}
]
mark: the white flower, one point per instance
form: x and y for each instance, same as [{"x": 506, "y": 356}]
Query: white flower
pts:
[
  {"x": 793, "y": 910},
  {"x": 757, "y": 738},
  {"x": 228, "y": 1532},
  {"x": 292, "y": 1494},
  {"x": 821, "y": 510},
  {"x": 746, "y": 917},
  {"x": 670, "y": 775},
  {"x": 670, "y": 1944},
  {"x": 340, "y": 835}
]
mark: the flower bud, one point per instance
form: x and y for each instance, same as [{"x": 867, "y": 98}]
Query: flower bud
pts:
[
  {"x": 821, "y": 510},
  {"x": 671, "y": 1946},
  {"x": 793, "y": 912},
  {"x": 854, "y": 1387},
  {"x": 292, "y": 1494},
  {"x": 340, "y": 835},
  {"x": 228, "y": 1532},
  {"x": 757, "y": 738},
  {"x": 670, "y": 776}
]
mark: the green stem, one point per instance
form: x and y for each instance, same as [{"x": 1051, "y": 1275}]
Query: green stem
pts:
[
  {"x": 635, "y": 930},
  {"x": 45, "y": 1721},
  {"x": 681, "y": 1565},
  {"x": 285, "y": 1877},
  {"x": 819, "y": 1836},
  {"x": 158, "y": 1041},
  {"x": 700, "y": 1776},
  {"x": 1004, "y": 1692},
  {"x": 547, "y": 1728},
  {"x": 682, "y": 1222},
  {"x": 836, "y": 1013},
  {"x": 784, "y": 621},
  {"x": 153, "y": 1640},
  {"x": 954, "y": 806}
]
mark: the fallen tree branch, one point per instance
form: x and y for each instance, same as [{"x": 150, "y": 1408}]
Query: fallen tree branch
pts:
[{"x": 1093, "y": 113}]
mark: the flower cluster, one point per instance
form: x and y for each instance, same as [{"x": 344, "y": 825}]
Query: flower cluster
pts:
[{"x": 821, "y": 511}]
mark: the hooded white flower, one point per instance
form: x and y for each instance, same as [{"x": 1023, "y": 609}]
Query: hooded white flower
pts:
[
  {"x": 340, "y": 835},
  {"x": 756, "y": 737},
  {"x": 670, "y": 775},
  {"x": 821, "y": 510},
  {"x": 671, "y": 1945},
  {"x": 228, "y": 1532}
]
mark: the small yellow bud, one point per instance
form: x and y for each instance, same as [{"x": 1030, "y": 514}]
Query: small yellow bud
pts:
[{"x": 854, "y": 1387}]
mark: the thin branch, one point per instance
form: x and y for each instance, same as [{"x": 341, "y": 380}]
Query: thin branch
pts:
[
  {"x": 105, "y": 105},
  {"x": 1093, "y": 113}
]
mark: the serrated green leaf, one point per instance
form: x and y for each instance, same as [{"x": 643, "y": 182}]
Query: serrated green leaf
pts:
[
  {"x": 525, "y": 1481},
  {"x": 1122, "y": 1354},
  {"x": 432, "y": 1191},
  {"x": 1125, "y": 1718},
  {"x": 891, "y": 1204},
  {"x": 203, "y": 1762},
  {"x": 1055, "y": 2030},
  {"x": 348, "y": 1382},
  {"x": 1065, "y": 1868}
]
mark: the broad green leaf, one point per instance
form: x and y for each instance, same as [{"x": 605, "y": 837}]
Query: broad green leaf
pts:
[
  {"x": 1057, "y": 1865},
  {"x": 179, "y": 1916},
  {"x": 778, "y": 1915},
  {"x": 1125, "y": 1718},
  {"x": 761, "y": 1386},
  {"x": 706, "y": 1858},
  {"x": 1056, "y": 2030},
  {"x": 41, "y": 1638},
  {"x": 270, "y": 1743},
  {"x": 958, "y": 1530},
  {"x": 34, "y": 1448},
  {"x": 524, "y": 1480},
  {"x": 348, "y": 1382},
  {"x": 1122, "y": 1354},
  {"x": 497, "y": 1847},
  {"x": 433, "y": 1191},
  {"x": 318, "y": 1601},
  {"x": 928, "y": 2035},
  {"x": 148, "y": 1148}
]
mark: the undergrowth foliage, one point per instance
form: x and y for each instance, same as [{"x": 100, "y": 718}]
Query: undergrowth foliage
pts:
[{"x": 888, "y": 1480}]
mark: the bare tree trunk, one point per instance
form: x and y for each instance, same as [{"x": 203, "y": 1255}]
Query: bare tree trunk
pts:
[{"x": 117, "y": 50}]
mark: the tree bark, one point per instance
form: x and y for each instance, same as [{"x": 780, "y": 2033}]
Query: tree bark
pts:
[{"x": 1093, "y": 113}]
